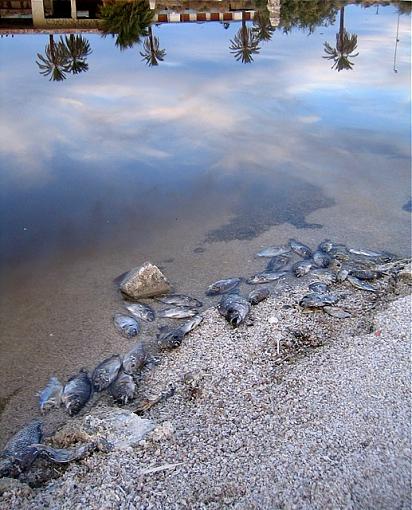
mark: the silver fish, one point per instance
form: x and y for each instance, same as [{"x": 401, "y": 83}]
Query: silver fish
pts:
[
  {"x": 135, "y": 359},
  {"x": 301, "y": 249},
  {"x": 234, "y": 308},
  {"x": 65, "y": 455},
  {"x": 51, "y": 395},
  {"x": 365, "y": 274},
  {"x": 325, "y": 275},
  {"x": 177, "y": 313},
  {"x": 321, "y": 259},
  {"x": 366, "y": 253},
  {"x": 191, "y": 324},
  {"x": 362, "y": 285},
  {"x": 123, "y": 388},
  {"x": 106, "y": 372},
  {"x": 257, "y": 295},
  {"x": 339, "y": 252},
  {"x": 180, "y": 300},
  {"x": 141, "y": 311},
  {"x": 319, "y": 287},
  {"x": 77, "y": 392},
  {"x": 277, "y": 262},
  {"x": 316, "y": 300},
  {"x": 170, "y": 338},
  {"x": 301, "y": 267},
  {"x": 273, "y": 251},
  {"x": 222, "y": 286},
  {"x": 266, "y": 277},
  {"x": 336, "y": 312},
  {"x": 326, "y": 246},
  {"x": 126, "y": 325},
  {"x": 19, "y": 454},
  {"x": 342, "y": 275}
]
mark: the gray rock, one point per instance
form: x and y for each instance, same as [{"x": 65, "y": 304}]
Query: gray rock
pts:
[
  {"x": 145, "y": 282},
  {"x": 120, "y": 427}
]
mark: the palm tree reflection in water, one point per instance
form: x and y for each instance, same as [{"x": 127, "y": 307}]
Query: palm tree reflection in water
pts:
[
  {"x": 66, "y": 56},
  {"x": 345, "y": 46},
  {"x": 152, "y": 54},
  {"x": 245, "y": 44},
  {"x": 55, "y": 62},
  {"x": 127, "y": 21}
]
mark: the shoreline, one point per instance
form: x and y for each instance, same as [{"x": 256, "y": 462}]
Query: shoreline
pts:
[{"x": 263, "y": 393}]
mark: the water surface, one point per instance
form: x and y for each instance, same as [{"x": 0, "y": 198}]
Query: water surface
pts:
[{"x": 193, "y": 164}]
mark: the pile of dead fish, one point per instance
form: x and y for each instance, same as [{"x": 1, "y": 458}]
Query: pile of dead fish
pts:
[{"x": 330, "y": 263}]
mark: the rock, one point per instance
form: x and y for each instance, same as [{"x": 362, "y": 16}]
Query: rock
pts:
[
  {"x": 13, "y": 485},
  {"x": 119, "y": 427},
  {"x": 145, "y": 282}
]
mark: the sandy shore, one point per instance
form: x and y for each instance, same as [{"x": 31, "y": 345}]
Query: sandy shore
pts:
[{"x": 291, "y": 410}]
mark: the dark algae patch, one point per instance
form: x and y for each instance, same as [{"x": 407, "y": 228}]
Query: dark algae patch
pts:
[{"x": 264, "y": 203}]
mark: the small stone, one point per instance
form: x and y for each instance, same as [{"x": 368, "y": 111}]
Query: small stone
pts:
[
  {"x": 145, "y": 282},
  {"x": 273, "y": 320}
]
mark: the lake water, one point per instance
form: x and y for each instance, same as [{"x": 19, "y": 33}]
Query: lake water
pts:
[{"x": 193, "y": 164}]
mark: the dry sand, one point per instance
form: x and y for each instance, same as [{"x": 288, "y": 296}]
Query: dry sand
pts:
[{"x": 291, "y": 410}]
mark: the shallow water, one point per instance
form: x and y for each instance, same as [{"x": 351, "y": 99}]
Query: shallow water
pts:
[{"x": 194, "y": 164}]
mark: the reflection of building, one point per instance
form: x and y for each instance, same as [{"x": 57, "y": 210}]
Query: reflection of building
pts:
[{"x": 20, "y": 16}]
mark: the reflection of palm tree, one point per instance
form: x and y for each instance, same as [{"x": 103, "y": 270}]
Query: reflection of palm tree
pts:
[
  {"x": 78, "y": 49},
  {"x": 345, "y": 46},
  {"x": 244, "y": 44},
  {"x": 262, "y": 26},
  {"x": 55, "y": 63},
  {"x": 127, "y": 21},
  {"x": 152, "y": 53}
]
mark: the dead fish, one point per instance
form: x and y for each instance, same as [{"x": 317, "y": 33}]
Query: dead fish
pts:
[
  {"x": 365, "y": 274},
  {"x": 277, "y": 262},
  {"x": 273, "y": 251},
  {"x": 106, "y": 372},
  {"x": 336, "y": 312},
  {"x": 234, "y": 308},
  {"x": 19, "y": 454},
  {"x": 316, "y": 300},
  {"x": 180, "y": 300},
  {"x": 319, "y": 287},
  {"x": 65, "y": 455},
  {"x": 325, "y": 275},
  {"x": 141, "y": 311},
  {"x": 266, "y": 277},
  {"x": 366, "y": 253},
  {"x": 170, "y": 338},
  {"x": 339, "y": 252},
  {"x": 123, "y": 388},
  {"x": 51, "y": 396},
  {"x": 177, "y": 313},
  {"x": 126, "y": 325},
  {"x": 301, "y": 268},
  {"x": 362, "y": 285},
  {"x": 301, "y": 249},
  {"x": 321, "y": 259},
  {"x": 326, "y": 245},
  {"x": 77, "y": 392},
  {"x": 222, "y": 286},
  {"x": 135, "y": 359},
  {"x": 257, "y": 295},
  {"x": 342, "y": 275}
]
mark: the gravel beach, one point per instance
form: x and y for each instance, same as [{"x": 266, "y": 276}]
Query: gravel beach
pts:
[{"x": 290, "y": 410}]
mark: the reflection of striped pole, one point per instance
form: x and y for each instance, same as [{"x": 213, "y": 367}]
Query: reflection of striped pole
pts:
[{"x": 175, "y": 17}]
